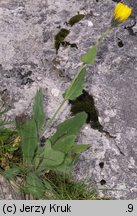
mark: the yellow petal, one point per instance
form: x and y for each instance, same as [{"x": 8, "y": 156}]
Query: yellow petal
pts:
[{"x": 122, "y": 12}]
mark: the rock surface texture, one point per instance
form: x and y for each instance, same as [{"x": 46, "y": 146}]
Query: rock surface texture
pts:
[{"x": 28, "y": 60}]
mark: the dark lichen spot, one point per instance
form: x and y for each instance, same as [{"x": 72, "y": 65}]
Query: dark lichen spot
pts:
[
  {"x": 116, "y": 1},
  {"x": 85, "y": 102},
  {"x": 25, "y": 74},
  {"x": 58, "y": 26},
  {"x": 102, "y": 182},
  {"x": 75, "y": 19},
  {"x": 120, "y": 43},
  {"x": 66, "y": 44},
  {"x": 101, "y": 164},
  {"x": 27, "y": 81},
  {"x": 60, "y": 37},
  {"x": 130, "y": 30}
]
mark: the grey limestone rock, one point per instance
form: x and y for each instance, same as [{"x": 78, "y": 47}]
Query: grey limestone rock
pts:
[{"x": 28, "y": 60}]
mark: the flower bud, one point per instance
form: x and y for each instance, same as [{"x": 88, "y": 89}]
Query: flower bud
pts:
[{"x": 121, "y": 13}]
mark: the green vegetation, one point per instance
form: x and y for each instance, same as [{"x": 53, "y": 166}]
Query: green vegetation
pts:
[
  {"x": 63, "y": 33},
  {"x": 60, "y": 37},
  {"x": 85, "y": 103},
  {"x": 44, "y": 172},
  {"x": 75, "y": 19}
]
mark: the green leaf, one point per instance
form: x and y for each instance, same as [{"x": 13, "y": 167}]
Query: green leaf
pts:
[
  {"x": 12, "y": 172},
  {"x": 90, "y": 56},
  {"x": 76, "y": 86},
  {"x": 79, "y": 148},
  {"x": 50, "y": 193},
  {"x": 38, "y": 156},
  {"x": 47, "y": 185},
  {"x": 65, "y": 144},
  {"x": 67, "y": 165},
  {"x": 71, "y": 126},
  {"x": 51, "y": 157},
  {"x": 38, "y": 114},
  {"x": 29, "y": 129},
  {"x": 34, "y": 186},
  {"x": 29, "y": 137}
]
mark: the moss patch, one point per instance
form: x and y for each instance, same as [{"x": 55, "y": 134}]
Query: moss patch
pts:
[
  {"x": 85, "y": 102},
  {"x": 63, "y": 33},
  {"x": 75, "y": 19},
  {"x": 60, "y": 37}
]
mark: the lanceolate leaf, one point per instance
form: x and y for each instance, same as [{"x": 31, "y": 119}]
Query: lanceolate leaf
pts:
[
  {"x": 71, "y": 126},
  {"x": 66, "y": 167},
  {"x": 65, "y": 143},
  {"x": 38, "y": 156},
  {"x": 29, "y": 138},
  {"x": 35, "y": 186},
  {"x": 50, "y": 192},
  {"x": 51, "y": 157},
  {"x": 90, "y": 56},
  {"x": 29, "y": 129},
  {"x": 12, "y": 172},
  {"x": 76, "y": 86},
  {"x": 79, "y": 148},
  {"x": 38, "y": 114}
]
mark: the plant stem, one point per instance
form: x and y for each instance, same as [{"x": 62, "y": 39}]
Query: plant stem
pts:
[
  {"x": 49, "y": 123},
  {"x": 101, "y": 38},
  {"x": 54, "y": 115},
  {"x": 77, "y": 74}
]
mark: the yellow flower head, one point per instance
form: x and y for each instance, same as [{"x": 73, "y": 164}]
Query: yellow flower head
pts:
[{"x": 121, "y": 13}]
